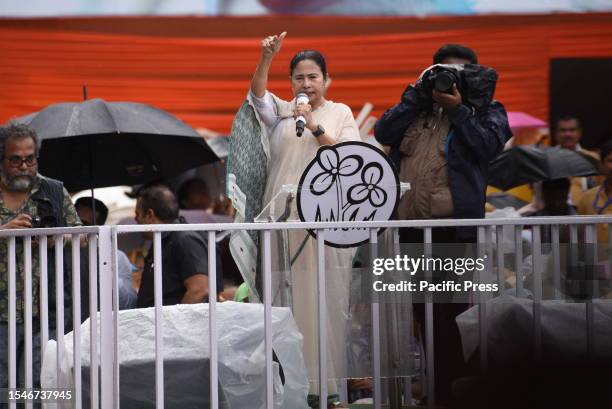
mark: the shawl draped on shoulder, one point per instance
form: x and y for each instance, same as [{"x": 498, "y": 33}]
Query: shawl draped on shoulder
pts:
[{"x": 247, "y": 168}]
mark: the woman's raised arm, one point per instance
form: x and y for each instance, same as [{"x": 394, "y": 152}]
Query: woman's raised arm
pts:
[{"x": 270, "y": 46}]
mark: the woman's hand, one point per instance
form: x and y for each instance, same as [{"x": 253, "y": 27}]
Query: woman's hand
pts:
[
  {"x": 305, "y": 110},
  {"x": 270, "y": 46}
]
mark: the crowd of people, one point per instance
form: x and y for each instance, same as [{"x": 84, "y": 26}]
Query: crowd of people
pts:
[{"x": 440, "y": 141}]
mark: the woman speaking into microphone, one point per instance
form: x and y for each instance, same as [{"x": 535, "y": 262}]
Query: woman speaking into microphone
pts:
[
  {"x": 325, "y": 122},
  {"x": 320, "y": 122}
]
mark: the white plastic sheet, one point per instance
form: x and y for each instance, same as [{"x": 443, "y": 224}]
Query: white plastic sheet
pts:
[
  {"x": 510, "y": 329},
  {"x": 186, "y": 353}
]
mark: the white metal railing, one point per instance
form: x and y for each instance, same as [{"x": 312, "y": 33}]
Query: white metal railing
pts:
[
  {"x": 102, "y": 247},
  {"x": 42, "y": 235}
]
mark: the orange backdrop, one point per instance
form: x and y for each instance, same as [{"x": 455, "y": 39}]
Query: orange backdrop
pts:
[{"x": 199, "y": 68}]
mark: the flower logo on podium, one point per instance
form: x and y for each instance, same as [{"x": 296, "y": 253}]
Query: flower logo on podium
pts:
[{"x": 350, "y": 181}]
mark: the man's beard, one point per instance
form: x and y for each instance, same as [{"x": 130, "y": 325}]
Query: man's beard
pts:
[{"x": 21, "y": 182}]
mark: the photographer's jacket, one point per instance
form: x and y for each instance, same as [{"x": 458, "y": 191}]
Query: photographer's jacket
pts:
[
  {"x": 467, "y": 140},
  {"x": 49, "y": 203}
]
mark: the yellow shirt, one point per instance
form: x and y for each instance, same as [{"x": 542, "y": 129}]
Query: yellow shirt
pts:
[
  {"x": 578, "y": 185},
  {"x": 596, "y": 201}
]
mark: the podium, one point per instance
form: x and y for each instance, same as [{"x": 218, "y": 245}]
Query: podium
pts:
[{"x": 283, "y": 208}]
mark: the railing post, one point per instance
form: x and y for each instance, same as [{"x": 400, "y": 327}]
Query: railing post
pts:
[
  {"x": 159, "y": 317},
  {"x": 44, "y": 295},
  {"x": 267, "y": 287},
  {"x": 59, "y": 301},
  {"x": 376, "y": 359},
  {"x": 483, "y": 247},
  {"x": 429, "y": 326},
  {"x": 322, "y": 319},
  {"x": 407, "y": 381},
  {"x": 107, "y": 337},
  {"x": 556, "y": 259},
  {"x": 12, "y": 306},
  {"x": 590, "y": 238},
  {"x": 115, "y": 282},
  {"x": 500, "y": 253},
  {"x": 536, "y": 255},
  {"x": 27, "y": 261},
  {"x": 212, "y": 320},
  {"x": 393, "y": 316},
  {"x": 93, "y": 322},
  {"x": 76, "y": 317},
  {"x": 518, "y": 259}
]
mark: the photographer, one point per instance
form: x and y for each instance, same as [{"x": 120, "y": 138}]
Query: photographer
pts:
[
  {"x": 442, "y": 142},
  {"x": 27, "y": 200},
  {"x": 443, "y": 134}
]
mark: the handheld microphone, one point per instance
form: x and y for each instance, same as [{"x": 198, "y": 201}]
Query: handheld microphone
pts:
[{"x": 300, "y": 121}]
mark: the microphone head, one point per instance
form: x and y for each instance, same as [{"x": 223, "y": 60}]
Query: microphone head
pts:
[
  {"x": 299, "y": 127},
  {"x": 301, "y": 98}
]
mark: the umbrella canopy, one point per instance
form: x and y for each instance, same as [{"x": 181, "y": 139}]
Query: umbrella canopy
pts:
[
  {"x": 525, "y": 164},
  {"x": 219, "y": 145},
  {"x": 97, "y": 144},
  {"x": 519, "y": 120}
]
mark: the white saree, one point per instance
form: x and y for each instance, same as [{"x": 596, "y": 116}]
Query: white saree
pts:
[{"x": 288, "y": 157}]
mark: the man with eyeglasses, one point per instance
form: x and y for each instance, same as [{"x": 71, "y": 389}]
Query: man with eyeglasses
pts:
[{"x": 27, "y": 200}]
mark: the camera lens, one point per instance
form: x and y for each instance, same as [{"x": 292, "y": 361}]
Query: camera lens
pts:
[{"x": 444, "y": 81}]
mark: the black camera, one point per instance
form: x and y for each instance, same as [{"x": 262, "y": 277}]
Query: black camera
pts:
[
  {"x": 476, "y": 84},
  {"x": 443, "y": 81},
  {"x": 441, "y": 78},
  {"x": 46, "y": 216},
  {"x": 44, "y": 222}
]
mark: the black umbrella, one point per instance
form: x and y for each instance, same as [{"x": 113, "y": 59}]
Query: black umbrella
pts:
[
  {"x": 97, "y": 144},
  {"x": 219, "y": 145},
  {"x": 525, "y": 164}
]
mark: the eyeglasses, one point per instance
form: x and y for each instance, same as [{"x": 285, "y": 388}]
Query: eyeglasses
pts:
[{"x": 17, "y": 161}]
